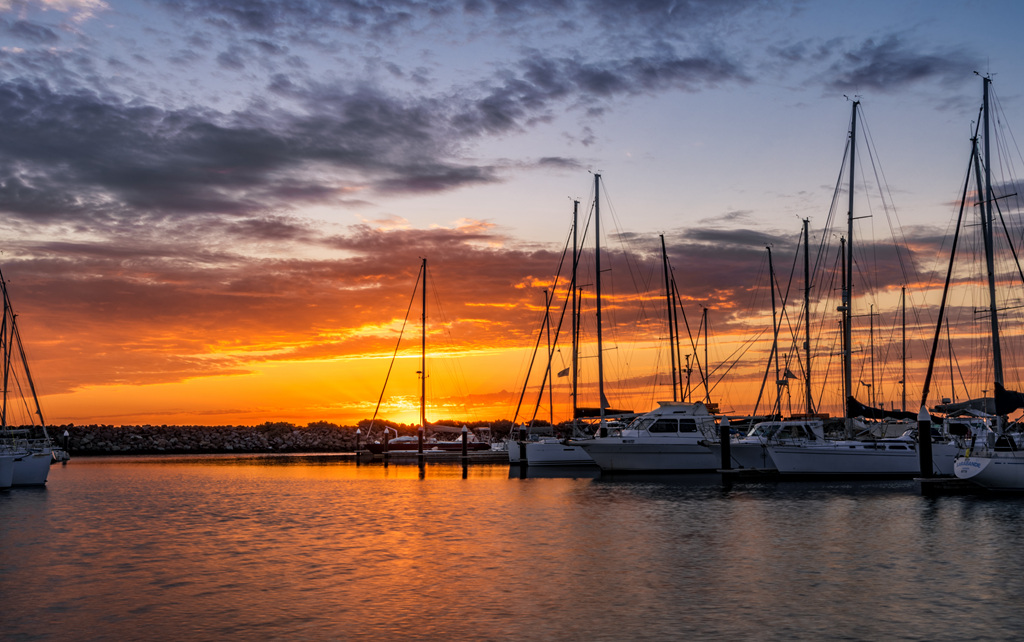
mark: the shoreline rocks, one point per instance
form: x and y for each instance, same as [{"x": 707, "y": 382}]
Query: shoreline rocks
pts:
[{"x": 156, "y": 440}]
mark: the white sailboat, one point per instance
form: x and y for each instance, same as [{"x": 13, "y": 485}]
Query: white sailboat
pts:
[
  {"x": 29, "y": 450},
  {"x": 528, "y": 448},
  {"x": 995, "y": 460},
  {"x": 889, "y": 457}
]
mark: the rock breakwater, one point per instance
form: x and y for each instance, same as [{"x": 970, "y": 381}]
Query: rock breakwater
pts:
[{"x": 149, "y": 440}]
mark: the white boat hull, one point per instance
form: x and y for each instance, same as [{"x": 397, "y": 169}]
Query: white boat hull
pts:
[
  {"x": 998, "y": 471},
  {"x": 32, "y": 469},
  {"x": 6, "y": 470},
  {"x": 867, "y": 459},
  {"x": 651, "y": 455},
  {"x": 548, "y": 452},
  {"x": 748, "y": 456}
]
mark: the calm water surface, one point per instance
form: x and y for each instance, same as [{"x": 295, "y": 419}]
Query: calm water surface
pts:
[{"x": 285, "y": 548}]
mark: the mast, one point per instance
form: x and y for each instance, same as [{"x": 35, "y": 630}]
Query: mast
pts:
[
  {"x": 775, "y": 334},
  {"x": 871, "y": 343},
  {"x": 547, "y": 375},
  {"x": 5, "y": 344},
  {"x": 707, "y": 366},
  {"x": 903, "y": 350},
  {"x": 423, "y": 352},
  {"x": 575, "y": 309},
  {"x": 671, "y": 330},
  {"x": 848, "y": 280},
  {"x": 807, "y": 319},
  {"x": 597, "y": 289},
  {"x": 986, "y": 226}
]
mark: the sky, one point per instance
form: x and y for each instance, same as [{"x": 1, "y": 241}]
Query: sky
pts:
[{"x": 214, "y": 211}]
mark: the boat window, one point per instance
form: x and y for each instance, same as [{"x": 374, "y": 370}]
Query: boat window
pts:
[
  {"x": 664, "y": 425},
  {"x": 642, "y": 423},
  {"x": 688, "y": 425},
  {"x": 897, "y": 447}
]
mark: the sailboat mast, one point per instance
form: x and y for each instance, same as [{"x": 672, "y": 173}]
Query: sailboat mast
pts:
[
  {"x": 6, "y": 339},
  {"x": 551, "y": 379},
  {"x": 597, "y": 291},
  {"x": 575, "y": 308},
  {"x": 707, "y": 365},
  {"x": 903, "y": 349},
  {"x": 986, "y": 216},
  {"x": 848, "y": 281},
  {"x": 807, "y": 318},
  {"x": 775, "y": 334},
  {"x": 423, "y": 352},
  {"x": 671, "y": 330}
]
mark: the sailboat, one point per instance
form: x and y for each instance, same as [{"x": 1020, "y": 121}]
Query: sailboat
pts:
[
  {"x": 407, "y": 443},
  {"x": 893, "y": 457},
  {"x": 675, "y": 436},
  {"x": 995, "y": 459},
  {"x": 551, "y": 451},
  {"x": 25, "y": 453}
]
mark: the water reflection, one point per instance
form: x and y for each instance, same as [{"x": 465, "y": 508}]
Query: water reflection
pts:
[{"x": 201, "y": 548}]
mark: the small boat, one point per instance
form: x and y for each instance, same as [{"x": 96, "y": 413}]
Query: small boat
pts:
[
  {"x": 675, "y": 437},
  {"x": 412, "y": 443},
  {"x": 751, "y": 452}
]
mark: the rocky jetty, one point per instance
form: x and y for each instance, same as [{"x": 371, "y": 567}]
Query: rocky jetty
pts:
[{"x": 149, "y": 440}]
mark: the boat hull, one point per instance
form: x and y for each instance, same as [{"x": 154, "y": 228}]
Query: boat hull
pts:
[
  {"x": 749, "y": 456},
  {"x": 446, "y": 446},
  {"x": 6, "y": 470},
  {"x": 1000, "y": 471},
  {"x": 32, "y": 469},
  {"x": 548, "y": 452},
  {"x": 650, "y": 455},
  {"x": 861, "y": 459}
]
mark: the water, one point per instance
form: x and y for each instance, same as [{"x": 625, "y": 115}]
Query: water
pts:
[{"x": 269, "y": 548}]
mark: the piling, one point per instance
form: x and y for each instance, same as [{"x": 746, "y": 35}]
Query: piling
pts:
[
  {"x": 725, "y": 442},
  {"x": 419, "y": 447},
  {"x": 924, "y": 442}
]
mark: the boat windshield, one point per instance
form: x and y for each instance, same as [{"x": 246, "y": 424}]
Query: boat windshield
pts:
[{"x": 764, "y": 429}]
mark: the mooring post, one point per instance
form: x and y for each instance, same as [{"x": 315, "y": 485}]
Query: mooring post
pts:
[
  {"x": 465, "y": 443},
  {"x": 726, "y": 443},
  {"x": 924, "y": 442},
  {"x": 384, "y": 442},
  {"x": 522, "y": 446},
  {"x": 419, "y": 441}
]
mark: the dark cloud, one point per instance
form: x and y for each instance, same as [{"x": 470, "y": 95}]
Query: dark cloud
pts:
[
  {"x": 29, "y": 31},
  {"x": 389, "y": 17},
  {"x": 528, "y": 91},
  {"x": 890, "y": 64}
]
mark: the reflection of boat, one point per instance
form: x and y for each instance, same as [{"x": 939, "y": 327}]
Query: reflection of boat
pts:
[{"x": 673, "y": 437}]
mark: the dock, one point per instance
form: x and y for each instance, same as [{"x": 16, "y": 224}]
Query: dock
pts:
[
  {"x": 410, "y": 456},
  {"x": 939, "y": 486}
]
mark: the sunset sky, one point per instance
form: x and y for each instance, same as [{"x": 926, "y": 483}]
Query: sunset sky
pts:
[{"x": 214, "y": 211}]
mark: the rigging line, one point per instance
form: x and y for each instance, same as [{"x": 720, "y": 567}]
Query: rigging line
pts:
[
  {"x": 949, "y": 271},
  {"x": 395, "y": 355},
  {"x": 729, "y": 363},
  {"x": 833, "y": 208},
  {"x": 879, "y": 173}
]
